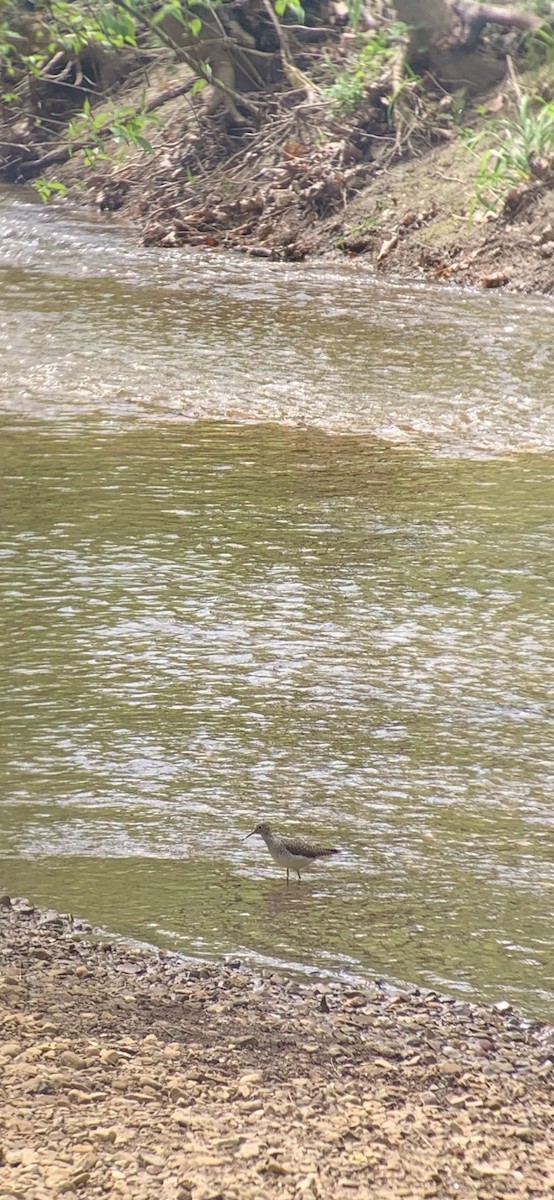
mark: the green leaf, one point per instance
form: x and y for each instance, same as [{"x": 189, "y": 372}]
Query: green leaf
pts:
[
  {"x": 47, "y": 188},
  {"x": 168, "y": 10}
]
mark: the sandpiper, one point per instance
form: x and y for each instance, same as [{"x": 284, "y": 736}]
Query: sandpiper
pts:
[{"x": 292, "y": 853}]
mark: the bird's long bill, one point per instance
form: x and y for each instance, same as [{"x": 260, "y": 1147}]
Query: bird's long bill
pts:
[{"x": 248, "y": 835}]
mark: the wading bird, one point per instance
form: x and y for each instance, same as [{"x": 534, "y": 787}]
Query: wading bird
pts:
[{"x": 292, "y": 853}]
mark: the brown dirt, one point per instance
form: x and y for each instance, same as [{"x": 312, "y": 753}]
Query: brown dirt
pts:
[
  {"x": 301, "y": 185},
  {"x": 295, "y": 183},
  {"x": 132, "y": 1073},
  {"x": 433, "y": 239}
]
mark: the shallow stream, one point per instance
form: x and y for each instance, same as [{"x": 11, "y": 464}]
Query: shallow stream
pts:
[{"x": 277, "y": 541}]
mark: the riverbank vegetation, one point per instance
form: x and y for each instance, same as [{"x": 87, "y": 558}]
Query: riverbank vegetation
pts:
[{"x": 419, "y": 136}]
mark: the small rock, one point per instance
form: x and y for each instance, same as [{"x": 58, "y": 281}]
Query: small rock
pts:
[
  {"x": 252, "y": 1077},
  {"x": 496, "y": 280},
  {"x": 69, "y": 1059},
  {"x": 78, "y": 1180},
  {"x": 78, "y": 1096},
  {"x": 275, "y": 1168},
  {"x": 10, "y": 1049},
  {"x": 181, "y": 1117},
  {"x": 449, "y": 1068},
  {"x": 150, "y": 1160},
  {"x": 502, "y": 1007},
  {"x": 172, "y": 1051},
  {"x": 148, "y": 1082},
  {"x": 249, "y": 1150},
  {"x": 111, "y": 1057},
  {"x": 51, "y": 918},
  {"x": 105, "y": 1135}
]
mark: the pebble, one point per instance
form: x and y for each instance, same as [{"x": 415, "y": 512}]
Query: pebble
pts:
[
  {"x": 105, "y": 1135},
  {"x": 10, "y": 1049},
  {"x": 249, "y": 1150},
  {"x": 273, "y": 1167},
  {"x": 44, "y": 1088},
  {"x": 111, "y": 1057},
  {"x": 52, "y": 919},
  {"x": 73, "y": 1183},
  {"x": 69, "y": 1059},
  {"x": 78, "y": 1096},
  {"x": 181, "y": 1117}
]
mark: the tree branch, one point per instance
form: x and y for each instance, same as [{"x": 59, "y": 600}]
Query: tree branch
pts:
[{"x": 63, "y": 153}]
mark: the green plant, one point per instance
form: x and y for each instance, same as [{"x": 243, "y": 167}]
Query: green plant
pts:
[
  {"x": 359, "y": 228},
  {"x": 521, "y": 148},
  {"x": 354, "y": 14},
  {"x": 539, "y": 47},
  {"x": 47, "y": 188},
  {"x": 349, "y": 85},
  {"x": 293, "y": 6},
  {"x": 124, "y": 125},
  {"x": 458, "y": 105}
]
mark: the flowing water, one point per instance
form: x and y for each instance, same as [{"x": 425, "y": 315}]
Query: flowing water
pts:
[{"x": 277, "y": 542}]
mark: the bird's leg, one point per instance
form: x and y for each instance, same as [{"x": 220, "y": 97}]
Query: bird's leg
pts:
[
  {"x": 299, "y": 879},
  {"x": 287, "y": 876}
]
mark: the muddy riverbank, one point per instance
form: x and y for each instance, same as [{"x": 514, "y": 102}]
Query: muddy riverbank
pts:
[
  {"x": 132, "y": 1073},
  {"x": 287, "y": 196},
  {"x": 415, "y": 177}
]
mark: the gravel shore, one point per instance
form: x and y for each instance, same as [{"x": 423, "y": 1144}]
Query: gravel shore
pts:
[{"x": 130, "y": 1073}]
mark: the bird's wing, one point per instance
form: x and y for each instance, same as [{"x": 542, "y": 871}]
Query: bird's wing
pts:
[{"x": 302, "y": 849}]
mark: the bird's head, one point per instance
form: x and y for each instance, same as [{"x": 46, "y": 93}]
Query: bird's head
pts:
[{"x": 263, "y": 829}]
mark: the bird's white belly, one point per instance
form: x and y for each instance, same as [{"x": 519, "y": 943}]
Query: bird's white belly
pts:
[{"x": 291, "y": 862}]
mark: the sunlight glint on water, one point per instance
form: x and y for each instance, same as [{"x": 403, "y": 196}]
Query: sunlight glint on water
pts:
[{"x": 217, "y": 609}]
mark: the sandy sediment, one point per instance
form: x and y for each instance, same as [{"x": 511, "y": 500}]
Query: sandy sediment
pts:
[{"x": 130, "y": 1073}]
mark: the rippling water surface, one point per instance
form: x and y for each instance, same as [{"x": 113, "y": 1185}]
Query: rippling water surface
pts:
[{"x": 277, "y": 542}]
